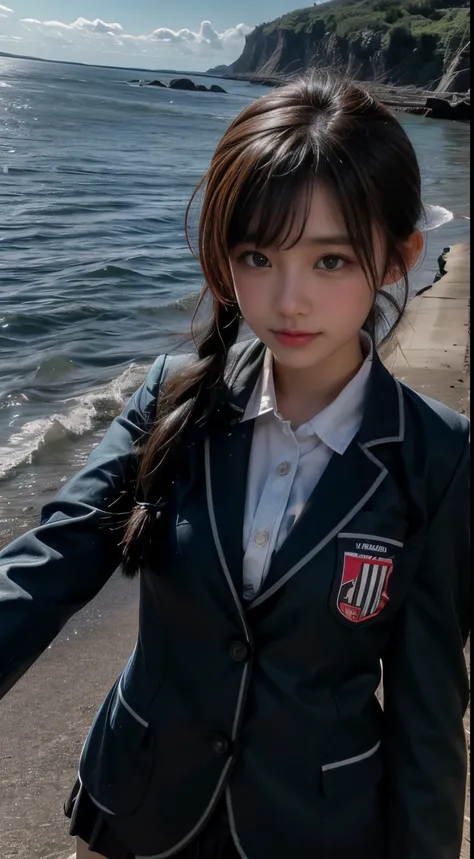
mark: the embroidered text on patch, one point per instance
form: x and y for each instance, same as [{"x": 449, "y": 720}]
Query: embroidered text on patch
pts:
[
  {"x": 369, "y": 547},
  {"x": 363, "y": 592}
]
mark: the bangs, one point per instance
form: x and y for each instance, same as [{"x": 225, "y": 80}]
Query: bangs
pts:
[
  {"x": 272, "y": 211},
  {"x": 273, "y": 202}
]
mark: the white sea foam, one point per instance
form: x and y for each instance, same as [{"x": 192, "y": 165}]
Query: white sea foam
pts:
[
  {"x": 435, "y": 216},
  {"x": 82, "y": 416}
]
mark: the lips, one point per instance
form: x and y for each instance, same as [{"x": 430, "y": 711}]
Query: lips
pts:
[{"x": 295, "y": 338}]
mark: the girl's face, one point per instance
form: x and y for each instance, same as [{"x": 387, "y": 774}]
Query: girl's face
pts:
[{"x": 307, "y": 302}]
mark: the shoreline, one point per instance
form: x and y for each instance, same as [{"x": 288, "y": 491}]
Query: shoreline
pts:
[
  {"x": 39, "y": 743},
  {"x": 430, "y": 349},
  {"x": 406, "y": 98}
]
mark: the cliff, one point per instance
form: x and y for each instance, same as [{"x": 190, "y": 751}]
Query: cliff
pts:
[{"x": 410, "y": 42}]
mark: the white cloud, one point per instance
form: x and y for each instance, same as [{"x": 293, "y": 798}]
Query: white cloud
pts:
[
  {"x": 111, "y": 37},
  {"x": 5, "y": 10},
  {"x": 163, "y": 34},
  {"x": 81, "y": 25},
  {"x": 208, "y": 34},
  {"x": 238, "y": 32}
]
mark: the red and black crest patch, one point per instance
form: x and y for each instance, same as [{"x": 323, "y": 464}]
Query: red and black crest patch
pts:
[{"x": 363, "y": 588}]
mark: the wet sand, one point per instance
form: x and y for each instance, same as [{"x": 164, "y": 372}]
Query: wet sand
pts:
[{"x": 46, "y": 716}]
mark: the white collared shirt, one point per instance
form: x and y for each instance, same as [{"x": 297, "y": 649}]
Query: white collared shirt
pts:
[{"x": 285, "y": 464}]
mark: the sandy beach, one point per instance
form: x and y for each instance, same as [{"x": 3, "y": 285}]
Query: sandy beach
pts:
[{"x": 45, "y": 718}]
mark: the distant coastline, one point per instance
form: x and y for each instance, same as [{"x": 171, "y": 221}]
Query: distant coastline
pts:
[
  {"x": 7, "y": 55},
  {"x": 408, "y": 99}
]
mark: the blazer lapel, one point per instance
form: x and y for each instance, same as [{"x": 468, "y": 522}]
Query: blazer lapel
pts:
[
  {"x": 227, "y": 453},
  {"x": 227, "y": 458},
  {"x": 347, "y": 484}
]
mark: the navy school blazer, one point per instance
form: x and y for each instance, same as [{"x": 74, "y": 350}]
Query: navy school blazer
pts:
[{"x": 272, "y": 703}]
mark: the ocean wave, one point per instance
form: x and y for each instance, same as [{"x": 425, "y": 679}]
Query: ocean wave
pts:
[
  {"x": 185, "y": 304},
  {"x": 40, "y": 324},
  {"x": 39, "y": 437},
  {"x": 112, "y": 270}
]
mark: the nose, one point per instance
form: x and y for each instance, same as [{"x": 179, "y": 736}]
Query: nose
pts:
[{"x": 291, "y": 298}]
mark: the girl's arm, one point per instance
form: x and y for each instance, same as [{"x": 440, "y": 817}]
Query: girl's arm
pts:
[
  {"x": 51, "y": 572},
  {"x": 426, "y": 691}
]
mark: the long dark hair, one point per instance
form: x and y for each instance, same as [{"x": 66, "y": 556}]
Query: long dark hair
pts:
[{"x": 319, "y": 127}]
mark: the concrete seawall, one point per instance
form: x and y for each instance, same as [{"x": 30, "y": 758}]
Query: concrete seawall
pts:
[{"x": 431, "y": 354}]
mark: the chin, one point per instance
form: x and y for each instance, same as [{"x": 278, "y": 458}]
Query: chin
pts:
[
  {"x": 304, "y": 357},
  {"x": 300, "y": 358}
]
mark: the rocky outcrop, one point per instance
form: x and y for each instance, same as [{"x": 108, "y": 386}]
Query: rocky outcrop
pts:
[
  {"x": 218, "y": 71},
  {"x": 441, "y": 108},
  {"x": 393, "y": 54},
  {"x": 284, "y": 51},
  {"x": 184, "y": 84}
]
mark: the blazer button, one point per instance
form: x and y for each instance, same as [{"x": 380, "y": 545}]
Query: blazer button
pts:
[
  {"x": 239, "y": 651},
  {"x": 220, "y": 745}
]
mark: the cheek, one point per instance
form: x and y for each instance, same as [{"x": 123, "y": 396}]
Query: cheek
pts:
[
  {"x": 251, "y": 297},
  {"x": 351, "y": 299}
]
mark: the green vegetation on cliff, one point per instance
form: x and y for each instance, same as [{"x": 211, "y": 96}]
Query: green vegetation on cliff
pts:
[
  {"x": 446, "y": 19},
  {"x": 403, "y": 41}
]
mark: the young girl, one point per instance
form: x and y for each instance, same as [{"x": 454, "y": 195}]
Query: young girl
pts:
[{"x": 298, "y": 518}]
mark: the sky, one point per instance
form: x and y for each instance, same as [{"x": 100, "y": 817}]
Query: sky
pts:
[{"x": 182, "y": 34}]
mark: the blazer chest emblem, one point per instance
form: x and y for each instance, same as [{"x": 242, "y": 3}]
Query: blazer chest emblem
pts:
[{"x": 364, "y": 570}]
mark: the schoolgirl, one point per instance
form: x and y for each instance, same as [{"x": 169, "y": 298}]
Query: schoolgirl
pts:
[{"x": 298, "y": 518}]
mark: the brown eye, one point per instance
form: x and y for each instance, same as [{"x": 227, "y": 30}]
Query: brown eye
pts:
[
  {"x": 330, "y": 263},
  {"x": 255, "y": 259}
]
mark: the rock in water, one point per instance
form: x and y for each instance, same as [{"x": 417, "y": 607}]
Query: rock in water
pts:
[
  {"x": 156, "y": 83},
  {"x": 201, "y": 88},
  {"x": 182, "y": 83},
  {"x": 441, "y": 108},
  {"x": 462, "y": 109},
  {"x": 216, "y": 88}
]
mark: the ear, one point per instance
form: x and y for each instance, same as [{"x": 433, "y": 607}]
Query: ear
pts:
[{"x": 411, "y": 251}]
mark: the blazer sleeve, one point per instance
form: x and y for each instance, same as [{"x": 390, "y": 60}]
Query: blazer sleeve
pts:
[
  {"x": 52, "y": 571},
  {"x": 426, "y": 691}
]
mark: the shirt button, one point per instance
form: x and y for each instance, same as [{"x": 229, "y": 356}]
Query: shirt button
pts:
[
  {"x": 249, "y": 591},
  {"x": 220, "y": 745},
  {"x": 261, "y": 538},
  {"x": 284, "y": 468},
  {"x": 239, "y": 651}
]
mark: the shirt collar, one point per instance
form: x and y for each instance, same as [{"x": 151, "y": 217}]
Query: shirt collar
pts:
[{"x": 337, "y": 424}]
